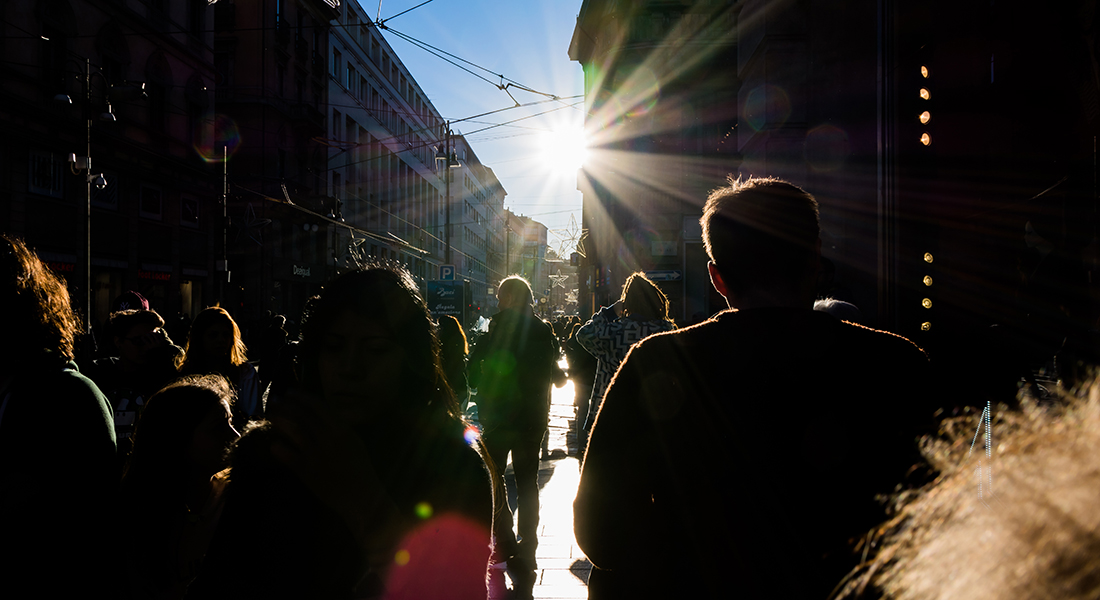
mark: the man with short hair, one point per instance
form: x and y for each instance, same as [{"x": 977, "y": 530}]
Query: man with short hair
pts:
[
  {"x": 738, "y": 457},
  {"x": 513, "y": 367}
]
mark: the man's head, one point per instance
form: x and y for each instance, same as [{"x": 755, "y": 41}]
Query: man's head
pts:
[
  {"x": 761, "y": 234},
  {"x": 514, "y": 292},
  {"x": 136, "y": 332}
]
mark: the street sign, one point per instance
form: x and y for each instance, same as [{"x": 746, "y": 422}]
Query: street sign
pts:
[
  {"x": 447, "y": 272},
  {"x": 445, "y": 298},
  {"x": 667, "y": 275}
]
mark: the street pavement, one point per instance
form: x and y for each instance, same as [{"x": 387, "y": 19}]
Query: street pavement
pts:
[{"x": 562, "y": 572}]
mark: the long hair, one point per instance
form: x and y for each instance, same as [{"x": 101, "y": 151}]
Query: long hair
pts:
[
  {"x": 643, "y": 300},
  {"x": 158, "y": 464},
  {"x": 35, "y": 304},
  {"x": 387, "y": 293},
  {"x": 451, "y": 336},
  {"x": 195, "y": 357}
]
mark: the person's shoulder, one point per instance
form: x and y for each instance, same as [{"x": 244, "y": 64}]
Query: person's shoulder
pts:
[{"x": 867, "y": 339}]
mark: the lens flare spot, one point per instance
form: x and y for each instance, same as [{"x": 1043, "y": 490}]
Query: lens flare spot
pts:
[
  {"x": 402, "y": 557},
  {"x": 637, "y": 246},
  {"x": 928, "y": 257},
  {"x": 767, "y": 105},
  {"x": 826, "y": 148},
  {"x": 924, "y": 72},
  {"x": 471, "y": 435},
  {"x": 423, "y": 510},
  {"x": 217, "y": 137},
  {"x": 640, "y": 92}
]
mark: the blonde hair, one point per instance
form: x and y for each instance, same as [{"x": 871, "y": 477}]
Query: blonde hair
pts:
[{"x": 1024, "y": 526}]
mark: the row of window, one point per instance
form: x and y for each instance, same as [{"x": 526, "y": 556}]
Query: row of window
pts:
[{"x": 47, "y": 174}]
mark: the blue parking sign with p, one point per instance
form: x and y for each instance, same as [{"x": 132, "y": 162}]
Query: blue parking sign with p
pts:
[{"x": 447, "y": 272}]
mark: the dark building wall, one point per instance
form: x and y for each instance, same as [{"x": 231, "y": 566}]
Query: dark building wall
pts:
[{"x": 148, "y": 223}]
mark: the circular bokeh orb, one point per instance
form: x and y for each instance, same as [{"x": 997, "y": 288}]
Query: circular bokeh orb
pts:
[
  {"x": 217, "y": 138},
  {"x": 637, "y": 247},
  {"x": 767, "y": 105},
  {"x": 640, "y": 92},
  {"x": 827, "y": 148}
]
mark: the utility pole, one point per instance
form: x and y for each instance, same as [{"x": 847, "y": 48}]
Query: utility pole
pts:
[{"x": 450, "y": 161}]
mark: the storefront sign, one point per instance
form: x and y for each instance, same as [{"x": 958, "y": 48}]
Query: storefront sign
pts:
[
  {"x": 301, "y": 271},
  {"x": 154, "y": 275},
  {"x": 445, "y": 298}
]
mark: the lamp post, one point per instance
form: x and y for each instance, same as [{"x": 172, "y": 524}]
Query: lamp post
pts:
[
  {"x": 83, "y": 164},
  {"x": 446, "y": 154}
]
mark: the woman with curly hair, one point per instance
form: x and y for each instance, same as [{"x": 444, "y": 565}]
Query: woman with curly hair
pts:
[
  {"x": 365, "y": 482},
  {"x": 214, "y": 346},
  {"x": 57, "y": 443}
]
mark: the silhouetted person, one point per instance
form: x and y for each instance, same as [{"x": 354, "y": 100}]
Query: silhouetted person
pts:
[
  {"x": 58, "y": 476},
  {"x": 146, "y": 362},
  {"x": 365, "y": 483},
  {"x": 513, "y": 366},
  {"x": 452, "y": 356},
  {"x": 171, "y": 496},
  {"x": 738, "y": 457},
  {"x": 582, "y": 370},
  {"x": 839, "y": 309},
  {"x": 214, "y": 346},
  {"x": 641, "y": 311},
  {"x": 273, "y": 342}
]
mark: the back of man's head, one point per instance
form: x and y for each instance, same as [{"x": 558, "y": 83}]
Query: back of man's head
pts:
[
  {"x": 761, "y": 233},
  {"x": 514, "y": 292}
]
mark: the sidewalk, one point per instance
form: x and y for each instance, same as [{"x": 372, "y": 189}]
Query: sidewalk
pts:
[{"x": 562, "y": 567}]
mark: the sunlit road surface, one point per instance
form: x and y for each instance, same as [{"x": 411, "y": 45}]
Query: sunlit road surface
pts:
[{"x": 562, "y": 567}]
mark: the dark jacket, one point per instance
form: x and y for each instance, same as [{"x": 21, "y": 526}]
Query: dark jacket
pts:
[
  {"x": 746, "y": 451},
  {"x": 276, "y": 539},
  {"x": 513, "y": 367}
]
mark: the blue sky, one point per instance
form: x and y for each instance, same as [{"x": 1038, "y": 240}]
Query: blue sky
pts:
[{"x": 526, "y": 41}]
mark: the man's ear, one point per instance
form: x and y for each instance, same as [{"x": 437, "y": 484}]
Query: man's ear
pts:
[{"x": 716, "y": 280}]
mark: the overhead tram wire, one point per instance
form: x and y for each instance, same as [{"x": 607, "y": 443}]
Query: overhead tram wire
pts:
[
  {"x": 431, "y": 144},
  {"x": 438, "y": 52},
  {"x": 379, "y": 22}
]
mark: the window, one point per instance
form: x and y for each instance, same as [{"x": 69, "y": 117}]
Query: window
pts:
[
  {"x": 336, "y": 122},
  {"x": 363, "y": 87},
  {"x": 150, "y": 203},
  {"x": 46, "y": 174},
  {"x": 189, "y": 211},
  {"x": 352, "y": 79},
  {"x": 336, "y": 64}
]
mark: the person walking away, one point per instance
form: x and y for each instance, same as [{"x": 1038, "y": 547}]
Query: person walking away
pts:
[
  {"x": 748, "y": 450},
  {"x": 514, "y": 366}
]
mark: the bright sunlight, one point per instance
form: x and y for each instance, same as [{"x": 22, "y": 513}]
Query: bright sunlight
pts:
[{"x": 563, "y": 151}]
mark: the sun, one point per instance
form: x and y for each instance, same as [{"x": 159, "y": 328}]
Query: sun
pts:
[{"x": 563, "y": 151}]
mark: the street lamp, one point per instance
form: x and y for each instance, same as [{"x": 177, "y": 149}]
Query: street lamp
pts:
[
  {"x": 447, "y": 155},
  {"x": 84, "y": 164}
]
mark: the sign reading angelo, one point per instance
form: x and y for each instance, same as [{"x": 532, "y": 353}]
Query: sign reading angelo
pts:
[{"x": 445, "y": 298}]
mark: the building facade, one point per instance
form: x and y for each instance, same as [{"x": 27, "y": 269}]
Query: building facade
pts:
[{"x": 129, "y": 85}]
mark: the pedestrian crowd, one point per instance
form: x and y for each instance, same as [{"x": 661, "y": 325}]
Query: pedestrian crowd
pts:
[{"x": 776, "y": 449}]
